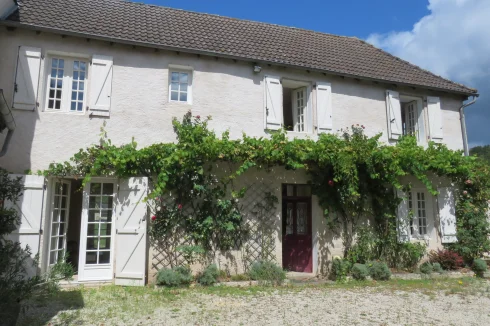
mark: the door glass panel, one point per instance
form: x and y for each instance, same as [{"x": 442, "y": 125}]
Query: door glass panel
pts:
[
  {"x": 303, "y": 190},
  {"x": 289, "y": 219},
  {"x": 301, "y": 218},
  {"x": 99, "y": 223}
]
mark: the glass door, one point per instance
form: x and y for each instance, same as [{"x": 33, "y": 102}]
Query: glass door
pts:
[
  {"x": 97, "y": 230},
  {"x": 59, "y": 221}
]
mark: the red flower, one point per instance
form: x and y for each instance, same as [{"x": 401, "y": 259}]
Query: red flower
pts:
[
  {"x": 198, "y": 116},
  {"x": 330, "y": 183},
  {"x": 153, "y": 218},
  {"x": 465, "y": 192},
  {"x": 363, "y": 127},
  {"x": 468, "y": 182},
  {"x": 179, "y": 206}
]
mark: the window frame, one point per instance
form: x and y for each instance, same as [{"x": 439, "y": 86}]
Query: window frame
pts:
[
  {"x": 419, "y": 127},
  {"x": 67, "y": 86},
  {"x": 414, "y": 214},
  {"x": 295, "y": 86},
  {"x": 190, "y": 76}
]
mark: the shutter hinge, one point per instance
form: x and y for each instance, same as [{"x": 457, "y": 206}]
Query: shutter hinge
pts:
[
  {"x": 114, "y": 275},
  {"x": 42, "y": 56},
  {"x": 117, "y": 231},
  {"x": 16, "y": 89},
  {"x": 41, "y": 231}
]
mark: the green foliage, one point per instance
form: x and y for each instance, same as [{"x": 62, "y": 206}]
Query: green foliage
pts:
[
  {"x": 352, "y": 175},
  {"x": 209, "y": 276},
  {"x": 479, "y": 267},
  {"x": 482, "y": 152},
  {"x": 340, "y": 269},
  {"x": 176, "y": 276},
  {"x": 360, "y": 272},
  {"x": 426, "y": 268},
  {"x": 448, "y": 259},
  {"x": 190, "y": 253},
  {"x": 379, "y": 271},
  {"x": 437, "y": 267},
  {"x": 15, "y": 260},
  {"x": 267, "y": 273},
  {"x": 240, "y": 277}
]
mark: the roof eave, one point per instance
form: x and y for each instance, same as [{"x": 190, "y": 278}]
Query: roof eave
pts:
[{"x": 224, "y": 55}]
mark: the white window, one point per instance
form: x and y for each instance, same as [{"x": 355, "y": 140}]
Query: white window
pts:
[
  {"x": 405, "y": 116},
  {"x": 420, "y": 208},
  {"x": 409, "y": 114},
  {"x": 296, "y": 110},
  {"x": 180, "y": 86},
  {"x": 66, "y": 84}
]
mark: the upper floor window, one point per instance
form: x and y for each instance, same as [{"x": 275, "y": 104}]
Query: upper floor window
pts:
[
  {"x": 405, "y": 116},
  {"x": 180, "y": 86},
  {"x": 66, "y": 85}
]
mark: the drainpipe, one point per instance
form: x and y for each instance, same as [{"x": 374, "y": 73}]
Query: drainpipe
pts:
[
  {"x": 9, "y": 122},
  {"x": 463, "y": 125}
]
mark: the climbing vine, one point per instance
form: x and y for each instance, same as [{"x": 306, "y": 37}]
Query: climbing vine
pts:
[{"x": 352, "y": 174}]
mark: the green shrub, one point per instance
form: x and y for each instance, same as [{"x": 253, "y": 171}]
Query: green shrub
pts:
[
  {"x": 209, "y": 276},
  {"x": 379, "y": 271},
  {"x": 340, "y": 269},
  {"x": 267, "y": 273},
  {"x": 436, "y": 267},
  {"x": 426, "y": 268},
  {"x": 176, "y": 276},
  {"x": 479, "y": 267},
  {"x": 240, "y": 277},
  {"x": 360, "y": 272}
]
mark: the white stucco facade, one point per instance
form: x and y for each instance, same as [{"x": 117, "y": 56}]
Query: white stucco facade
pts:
[{"x": 228, "y": 91}]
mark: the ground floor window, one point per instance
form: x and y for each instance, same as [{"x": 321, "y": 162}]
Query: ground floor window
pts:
[{"x": 419, "y": 205}]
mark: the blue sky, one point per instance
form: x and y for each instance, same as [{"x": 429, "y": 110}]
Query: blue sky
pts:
[{"x": 449, "y": 37}]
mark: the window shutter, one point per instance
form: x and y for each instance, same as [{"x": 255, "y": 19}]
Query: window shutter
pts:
[
  {"x": 273, "y": 103},
  {"x": 403, "y": 221},
  {"x": 435, "y": 118},
  {"x": 394, "y": 115},
  {"x": 29, "y": 206},
  {"x": 27, "y": 78},
  {"x": 324, "y": 106},
  {"x": 100, "y": 85},
  {"x": 447, "y": 214},
  {"x": 130, "y": 249}
]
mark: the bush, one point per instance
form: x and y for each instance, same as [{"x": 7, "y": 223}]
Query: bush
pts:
[
  {"x": 436, "y": 267},
  {"x": 448, "y": 259},
  {"x": 176, "y": 276},
  {"x": 267, "y": 273},
  {"x": 240, "y": 277},
  {"x": 360, "y": 272},
  {"x": 479, "y": 267},
  {"x": 209, "y": 276},
  {"x": 427, "y": 268},
  {"x": 340, "y": 269},
  {"x": 379, "y": 271}
]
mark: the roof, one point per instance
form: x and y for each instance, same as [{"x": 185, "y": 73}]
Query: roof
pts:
[{"x": 175, "y": 29}]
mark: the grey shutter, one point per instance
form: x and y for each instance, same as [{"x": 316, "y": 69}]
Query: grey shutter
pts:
[
  {"x": 100, "y": 80},
  {"x": 27, "y": 78},
  {"x": 324, "y": 107},
  {"x": 394, "y": 115}
]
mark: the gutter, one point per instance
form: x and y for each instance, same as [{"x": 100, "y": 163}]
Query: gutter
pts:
[
  {"x": 463, "y": 125},
  {"x": 8, "y": 120}
]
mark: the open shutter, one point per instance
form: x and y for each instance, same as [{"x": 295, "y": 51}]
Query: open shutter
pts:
[
  {"x": 29, "y": 206},
  {"x": 403, "y": 221},
  {"x": 273, "y": 103},
  {"x": 27, "y": 78},
  {"x": 324, "y": 106},
  {"x": 394, "y": 115},
  {"x": 447, "y": 214},
  {"x": 131, "y": 221},
  {"x": 435, "y": 118},
  {"x": 100, "y": 85}
]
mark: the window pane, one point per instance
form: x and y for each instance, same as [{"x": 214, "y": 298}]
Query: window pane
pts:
[
  {"x": 106, "y": 216},
  {"x": 52, "y": 84},
  {"x": 51, "y": 91},
  {"x": 82, "y": 76},
  {"x": 73, "y": 106},
  {"x": 54, "y": 242},
  {"x": 62, "y": 228},
  {"x": 58, "y": 94},
  {"x": 183, "y": 97},
  {"x": 183, "y": 87},
  {"x": 60, "y": 73},
  {"x": 62, "y": 215},
  {"x": 61, "y": 63},
  {"x": 183, "y": 77},
  {"x": 75, "y": 65},
  {"x": 93, "y": 216},
  {"x": 60, "y": 242},
  {"x": 95, "y": 189},
  {"x": 108, "y": 189},
  {"x": 75, "y": 75},
  {"x": 51, "y": 104},
  {"x": 303, "y": 190},
  {"x": 301, "y": 215},
  {"x": 58, "y": 105},
  {"x": 289, "y": 218},
  {"x": 174, "y": 86},
  {"x": 93, "y": 229},
  {"x": 59, "y": 83},
  {"x": 105, "y": 243},
  {"x": 104, "y": 257},
  {"x": 54, "y": 63},
  {"x": 73, "y": 95},
  {"x": 80, "y": 96},
  {"x": 105, "y": 229},
  {"x": 82, "y": 66},
  {"x": 80, "y": 106},
  {"x": 92, "y": 243},
  {"x": 80, "y": 86},
  {"x": 94, "y": 202},
  {"x": 91, "y": 258},
  {"x": 53, "y": 73},
  {"x": 175, "y": 96},
  {"x": 56, "y": 228},
  {"x": 175, "y": 77},
  {"x": 106, "y": 202}
]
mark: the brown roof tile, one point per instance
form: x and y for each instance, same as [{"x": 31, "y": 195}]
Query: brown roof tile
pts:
[{"x": 212, "y": 34}]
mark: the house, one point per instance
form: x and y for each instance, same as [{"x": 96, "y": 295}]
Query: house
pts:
[{"x": 68, "y": 66}]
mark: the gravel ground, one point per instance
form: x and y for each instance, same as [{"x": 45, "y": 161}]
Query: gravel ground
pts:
[
  {"x": 457, "y": 303},
  {"x": 324, "y": 307}
]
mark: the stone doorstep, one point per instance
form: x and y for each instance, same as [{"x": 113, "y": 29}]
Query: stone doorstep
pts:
[{"x": 89, "y": 284}]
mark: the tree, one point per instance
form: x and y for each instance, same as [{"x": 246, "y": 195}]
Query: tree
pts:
[
  {"x": 15, "y": 286},
  {"x": 481, "y": 151}
]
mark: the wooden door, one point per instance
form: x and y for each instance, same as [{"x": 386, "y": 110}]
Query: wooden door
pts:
[{"x": 297, "y": 245}]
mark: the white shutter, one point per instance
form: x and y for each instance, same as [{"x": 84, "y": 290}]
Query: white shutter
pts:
[
  {"x": 131, "y": 221},
  {"x": 447, "y": 214},
  {"x": 273, "y": 103},
  {"x": 403, "y": 221},
  {"x": 394, "y": 115},
  {"x": 435, "y": 118},
  {"x": 100, "y": 80},
  {"x": 27, "y": 78},
  {"x": 324, "y": 106},
  {"x": 29, "y": 206}
]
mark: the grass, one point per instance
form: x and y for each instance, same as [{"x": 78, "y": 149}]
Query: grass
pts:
[{"x": 124, "y": 305}]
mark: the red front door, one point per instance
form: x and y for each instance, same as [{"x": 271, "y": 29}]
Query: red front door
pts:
[{"x": 296, "y": 228}]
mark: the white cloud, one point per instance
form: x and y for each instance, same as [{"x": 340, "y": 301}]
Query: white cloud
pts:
[{"x": 452, "y": 41}]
